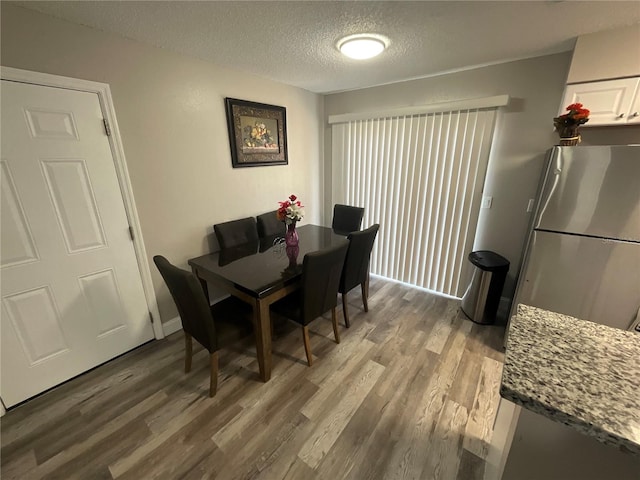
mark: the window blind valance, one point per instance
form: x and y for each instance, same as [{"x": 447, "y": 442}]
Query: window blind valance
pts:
[{"x": 470, "y": 104}]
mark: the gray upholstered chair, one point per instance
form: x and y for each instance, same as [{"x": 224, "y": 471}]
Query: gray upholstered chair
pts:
[
  {"x": 318, "y": 293},
  {"x": 269, "y": 225},
  {"x": 215, "y": 326},
  {"x": 356, "y": 267},
  {"x": 236, "y": 232},
  {"x": 346, "y": 219}
]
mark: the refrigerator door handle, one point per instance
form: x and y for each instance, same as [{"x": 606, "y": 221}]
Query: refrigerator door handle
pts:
[{"x": 555, "y": 169}]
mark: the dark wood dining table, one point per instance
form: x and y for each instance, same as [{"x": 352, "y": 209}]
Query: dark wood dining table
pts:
[{"x": 261, "y": 273}]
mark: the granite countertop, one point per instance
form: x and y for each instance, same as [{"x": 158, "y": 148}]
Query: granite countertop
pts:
[{"x": 575, "y": 372}]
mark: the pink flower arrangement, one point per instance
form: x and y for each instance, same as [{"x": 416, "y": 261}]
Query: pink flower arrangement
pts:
[{"x": 290, "y": 210}]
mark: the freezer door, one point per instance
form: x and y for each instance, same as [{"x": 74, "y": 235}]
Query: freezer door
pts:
[
  {"x": 592, "y": 191},
  {"x": 587, "y": 278}
]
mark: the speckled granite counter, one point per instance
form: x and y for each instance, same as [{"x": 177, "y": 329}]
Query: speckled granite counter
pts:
[{"x": 575, "y": 372}]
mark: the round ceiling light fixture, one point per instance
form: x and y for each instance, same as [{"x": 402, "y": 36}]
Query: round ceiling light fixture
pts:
[{"x": 362, "y": 46}]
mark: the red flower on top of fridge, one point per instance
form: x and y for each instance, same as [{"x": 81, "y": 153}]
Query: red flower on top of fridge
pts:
[{"x": 577, "y": 115}]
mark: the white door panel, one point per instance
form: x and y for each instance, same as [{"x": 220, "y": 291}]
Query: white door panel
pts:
[
  {"x": 17, "y": 246},
  {"x": 72, "y": 295}
]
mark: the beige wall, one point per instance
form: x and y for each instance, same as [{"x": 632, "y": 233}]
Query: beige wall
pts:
[
  {"x": 605, "y": 55},
  {"x": 170, "y": 110},
  {"x": 523, "y": 134}
]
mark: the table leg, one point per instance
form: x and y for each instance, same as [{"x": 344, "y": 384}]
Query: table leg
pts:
[{"x": 262, "y": 327}]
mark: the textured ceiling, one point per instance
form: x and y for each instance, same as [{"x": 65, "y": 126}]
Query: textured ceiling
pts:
[{"x": 294, "y": 42}]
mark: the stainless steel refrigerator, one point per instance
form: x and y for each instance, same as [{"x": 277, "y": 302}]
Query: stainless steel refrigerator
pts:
[{"x": 583, "y": 251}]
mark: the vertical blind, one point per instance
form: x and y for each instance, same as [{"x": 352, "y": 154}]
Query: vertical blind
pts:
[{"x": 419, "y": 176}]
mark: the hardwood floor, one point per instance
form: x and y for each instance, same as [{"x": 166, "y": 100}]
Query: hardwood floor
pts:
[{"x": 410, "y": 392}]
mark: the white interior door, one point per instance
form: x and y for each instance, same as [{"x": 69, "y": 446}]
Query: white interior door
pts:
[{"x": 72, "y": 296}]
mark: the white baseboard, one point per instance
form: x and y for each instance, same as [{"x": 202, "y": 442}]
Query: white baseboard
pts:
[{"x": 172, "y": 326}]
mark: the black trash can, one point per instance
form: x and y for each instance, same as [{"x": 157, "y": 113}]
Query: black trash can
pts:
[{"x": 480, "y": 301}]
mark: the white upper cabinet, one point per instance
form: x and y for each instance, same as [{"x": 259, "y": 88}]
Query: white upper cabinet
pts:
[
  {"x": 634, "y": 111},
  {"x": 611, "y": 102}
]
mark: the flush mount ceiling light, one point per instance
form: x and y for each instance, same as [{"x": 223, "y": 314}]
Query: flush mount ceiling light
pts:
[{"x": 363, "y": 46}]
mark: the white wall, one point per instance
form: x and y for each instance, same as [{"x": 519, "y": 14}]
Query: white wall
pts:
[
  {"x": 170, "y": 110},
  {"x": 523, "y": 134}
]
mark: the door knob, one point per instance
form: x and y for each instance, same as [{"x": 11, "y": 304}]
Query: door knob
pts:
[
  {"x": 621, "y": 115},
  {"x": 635, "y": 114}
]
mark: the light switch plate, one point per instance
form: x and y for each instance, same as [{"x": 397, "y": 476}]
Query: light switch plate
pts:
[
  {"x": 530, "y": 204},
  {"x": 486, "y": 202}
]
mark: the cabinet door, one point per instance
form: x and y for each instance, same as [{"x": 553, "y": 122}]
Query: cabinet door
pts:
[
  {"x": 609, "y": 101},
  {"x": 634, "y": 112}
]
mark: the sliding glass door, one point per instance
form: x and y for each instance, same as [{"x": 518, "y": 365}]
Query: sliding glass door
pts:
[{"x": 421, "y": 178}]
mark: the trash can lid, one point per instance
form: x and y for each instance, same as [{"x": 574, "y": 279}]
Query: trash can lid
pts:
[{"x": 488, "y": 261}]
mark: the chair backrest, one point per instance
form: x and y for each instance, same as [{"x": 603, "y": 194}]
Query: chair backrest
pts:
[
  {"x": 321, "y": 272},
  {"x": 236, "y": 232},
  {"x": 192, "y": 304},
  {"x": 356, "y": 265},
  {"x": 230, "y": 255},
  {"x": 269, "y": 225},
  {"x": 346, "y": 219}
]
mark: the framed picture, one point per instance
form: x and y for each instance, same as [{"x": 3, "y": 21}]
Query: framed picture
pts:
[{"x": 257, "y": 133}]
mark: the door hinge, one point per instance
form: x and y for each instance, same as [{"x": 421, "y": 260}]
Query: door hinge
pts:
[
  {"x": 131, "y": 232},
  {"x": 107, "y": 128},
  {"x": 150, "y": 318}
]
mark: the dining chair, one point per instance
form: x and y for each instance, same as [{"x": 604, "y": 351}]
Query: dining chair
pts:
[
  {"x": 236, "y": 232},
  {"x": 269, "y": 225},
  {"x": 318, "y": 292},
  {"x": 214, "y": 327},
  {"x": 346, "y": 219},
  {"x": 230, "y": 255},
  {"x": 356, "y": 267}
]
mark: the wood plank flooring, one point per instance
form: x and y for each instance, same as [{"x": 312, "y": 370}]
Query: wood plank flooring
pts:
[{"x": 410, "y": 393}]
